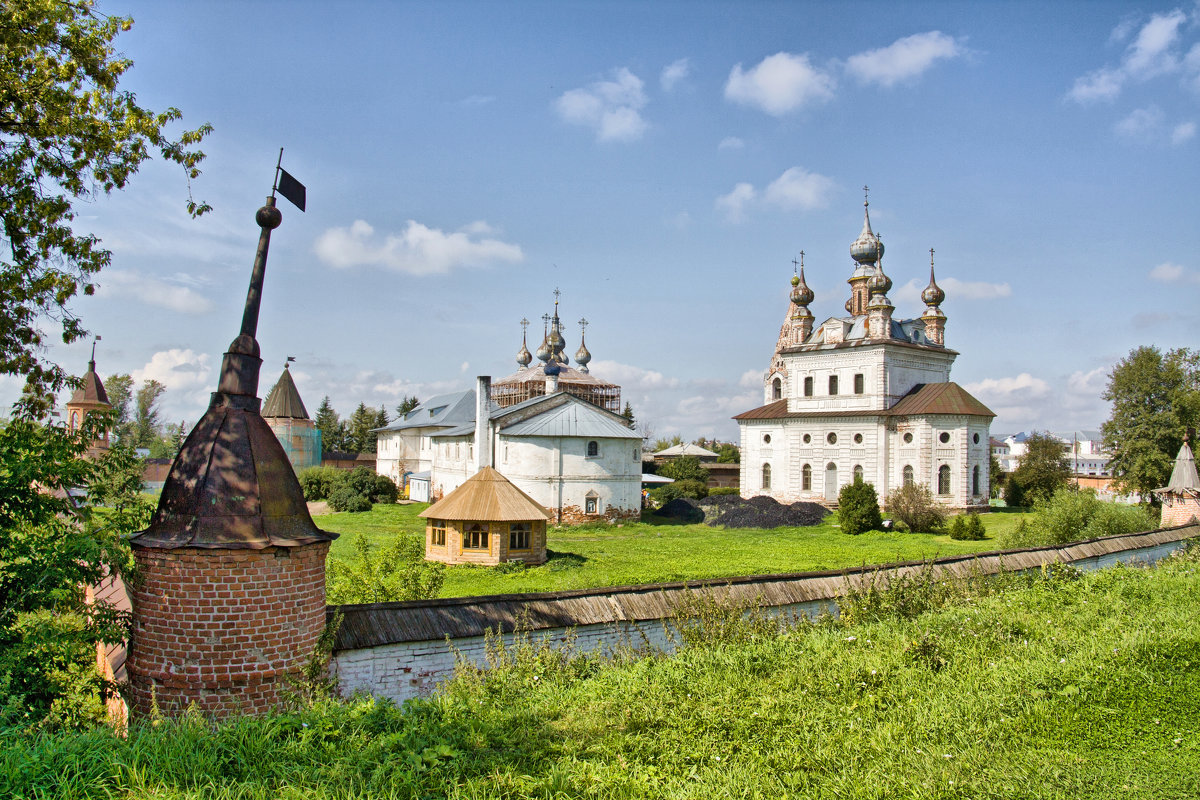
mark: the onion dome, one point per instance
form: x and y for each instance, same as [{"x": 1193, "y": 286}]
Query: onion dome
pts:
[
  {"x": 524, "y": 357},
  {"x": 867, "y": 248},
  {"x": 933, "y": 294},
  {"x": 543, "y": 351},
  {"x": 552, "y": 368},
  {"x": 850, "y": 306},
  {"x": 801, "y": 294},
  {"x": 582, "y": 356},
  {"x": 879, "y": 283}
]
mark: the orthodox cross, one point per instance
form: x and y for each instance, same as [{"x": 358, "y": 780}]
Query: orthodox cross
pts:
[
  {"x": 524, "y": 326},
  {"x": 931, "y": 256},
  {"x": 545, "y": 324},
  {"x": 866, "y": 195},
  {"x": 583, "y": 323}
]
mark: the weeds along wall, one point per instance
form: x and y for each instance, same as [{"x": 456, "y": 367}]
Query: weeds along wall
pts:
[{"x": 404, "y": 650}]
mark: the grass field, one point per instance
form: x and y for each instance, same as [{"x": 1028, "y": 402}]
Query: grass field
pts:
[
  {"x": 1080, "y": 687},
  {"x": 658, "y": 551}
]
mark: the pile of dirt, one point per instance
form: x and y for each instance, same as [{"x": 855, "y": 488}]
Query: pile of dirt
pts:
[
  {"x": 682, "y": 508},
  {"x": 766, "y": 512}
]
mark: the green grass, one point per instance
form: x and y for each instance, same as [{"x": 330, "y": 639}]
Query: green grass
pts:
[
  {"x": 1042, "y": 688},
  {"x": 659, "y": 551}
]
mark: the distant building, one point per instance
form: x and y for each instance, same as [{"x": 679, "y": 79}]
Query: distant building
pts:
[
  {"x": 1084, "y": 451},
  {"x": 89, "y": 397},
  {"x": 1181, "y": 496},
  {"x": 284, "y": 412},
  {"x": 865, "y": 395}
]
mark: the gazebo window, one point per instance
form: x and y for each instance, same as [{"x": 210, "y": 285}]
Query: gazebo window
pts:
[
  {"x": 520, "y": 535},
  {"x": 593, "y": 449},
  {"x": 944, "y": 479},
  {"x": 437, "y": 534},
  {"x": 475, "y": 536}
]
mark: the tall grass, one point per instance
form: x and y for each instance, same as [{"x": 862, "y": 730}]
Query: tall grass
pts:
[{"x": 1055, "y": 685}]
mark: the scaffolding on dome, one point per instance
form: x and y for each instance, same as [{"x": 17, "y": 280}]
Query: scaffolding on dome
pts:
[{"x": 530, "y": 382}]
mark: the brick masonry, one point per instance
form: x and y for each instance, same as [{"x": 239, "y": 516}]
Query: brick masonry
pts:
[{"x": 221, "y": 628}]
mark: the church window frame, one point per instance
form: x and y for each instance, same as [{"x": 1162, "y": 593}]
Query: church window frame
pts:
[
  {"x": 437, "y": 533},
  {"x": 833, "y": 385},
  {"x": 975, "y": 483},
  {"x": 808, "y": 386},
  {"x": 859, "y": 383},
  {"x": 943, "y": 480},
  {"x": 831, "y": 437},
  {"x": 944, "y": 437},
  {"x": 975, "y": 438},
  {"x": 908, "y": 476},
  {"x": 766, "y": 477},
  {"x": 808, "y": 438},
  {"x": 777, "y": 389},
  {"x": 766, "y": 438},
  {"x": 858, "y": 438},
  {"x": 476, "y": 536},
  {"x": 593, "y": 449},
  {"x": 520, "y": 536},
  {"x": 590, "y": 505},
  {"x": 858, "y": 473},
  {"x": 907, "y": 437},
  {"x": 806, "y": 478}
]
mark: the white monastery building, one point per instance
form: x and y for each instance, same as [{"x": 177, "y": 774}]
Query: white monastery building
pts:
[
  {"x": 551, "y": 430},
  {"x": 865, "y": 395}
]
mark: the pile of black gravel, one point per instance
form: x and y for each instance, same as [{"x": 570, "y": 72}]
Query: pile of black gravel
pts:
[
  {"x": 735, "y": 512},
  {"x": 767, "y": 512}
]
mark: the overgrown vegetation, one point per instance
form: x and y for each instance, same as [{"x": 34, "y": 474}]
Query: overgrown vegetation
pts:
[
  {"x": 1072, "y": 515},
  {"x": 858, "y": 508},
  {"x": 395, "y": 571},
  {"x": 353, "y": 490},
  {"x": 1034, "y": 686},
  {"x": 967, "y": 527},
  {"x": 1041, "y": 471},
  {"x": 913, "y": 508}
]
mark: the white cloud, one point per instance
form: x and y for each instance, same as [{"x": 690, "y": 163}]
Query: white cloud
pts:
[
  {"x": 779, "y": 84},
  {"x": 1007, "y": 389},
  {"x": 178, "y": 370},
  {"x": 680, "y": 221},
  {"x": 1183, "y": 132},
  {"x": 731, "y": 143},
  {"x": 612, "y": 108},
  {"x": 153, "y": 291},
  {"x": 974, "y": 290},
  {"x": 904, "y": 59},
  {"x": 673, "y": 73},
  {"x": 1168, "y": 272},
  {"x": 1152, "y": 52},
  {"x": 1142, "y": 123},
  {"x": 477, "y": 100},
  {"x": 632, "y": 378},
  {"x": 733, "y": 205},
  {"x": 463, "y": 367},
  {"x": 751, "y": 379},
  {"x": 416, "y": 250},
  {"x": 796, "y": 188}
]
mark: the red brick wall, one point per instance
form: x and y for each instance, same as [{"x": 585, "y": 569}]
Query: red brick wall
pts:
[
  {"x": 220, "y": 628},
  {"x": 1179, "y": 511}
]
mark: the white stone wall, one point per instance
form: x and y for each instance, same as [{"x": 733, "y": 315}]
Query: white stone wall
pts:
[{"x": 407, "y": 450}]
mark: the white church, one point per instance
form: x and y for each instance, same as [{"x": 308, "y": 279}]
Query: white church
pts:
[{"x": 865, "y": 395}]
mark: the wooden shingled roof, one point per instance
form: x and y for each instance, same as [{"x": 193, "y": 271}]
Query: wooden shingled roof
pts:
[
  {"x": 284, "y": 399},
  {"x": 487, "y": 496}
]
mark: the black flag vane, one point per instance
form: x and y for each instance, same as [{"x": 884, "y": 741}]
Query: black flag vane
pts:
[{"x": 288, "y": 186}]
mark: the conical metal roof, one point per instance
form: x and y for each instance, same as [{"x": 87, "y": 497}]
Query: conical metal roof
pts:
[
  {"x": 1184, "y": 479},
  {"x": 284, "y": 399},
  {"x": 232, "y": 486}
]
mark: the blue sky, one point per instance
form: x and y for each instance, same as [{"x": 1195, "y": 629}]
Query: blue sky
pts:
[{"x": 662, "y": 164}]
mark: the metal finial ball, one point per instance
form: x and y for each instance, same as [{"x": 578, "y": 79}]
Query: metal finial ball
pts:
[{"x": 268, "y": 217}]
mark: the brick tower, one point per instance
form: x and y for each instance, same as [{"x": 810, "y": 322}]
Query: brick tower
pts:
[
  {"x": 1181, "y": 496},
  {"x": 89, "y": 397},
  {"x": 232, "y": 596}
]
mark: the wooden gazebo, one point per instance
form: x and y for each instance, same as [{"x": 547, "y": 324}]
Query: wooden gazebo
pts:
[{"x": 486, "y": 520}]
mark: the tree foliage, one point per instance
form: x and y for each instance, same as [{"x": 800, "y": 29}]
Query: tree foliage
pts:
[
  {"x": 119, "y": 389},
  {"x": 68, "y": 134},
  {"x": 1071, "y": 515},
  {"x": 1041, "y": 471},
  {"x": 684, "y": 468},
  {"x": 913, "y": 507},
  {"x": 1155, "y": 396},
  {"x": 407, "y": 405},
  {"x": 858, "y": 508},
  {"x": 333, "y": 430},
  {"x": 147, "y": 427},
  {"x": 398, "y": 571},
  {"x": 628, "y": 415}
]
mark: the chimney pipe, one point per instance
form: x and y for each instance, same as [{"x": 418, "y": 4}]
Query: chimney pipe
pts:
[{"x": 483, "y": 438}]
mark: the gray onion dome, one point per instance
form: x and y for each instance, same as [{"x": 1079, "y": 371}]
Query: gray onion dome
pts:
[
  {"x": 933, "y": 294},
  {"x": 801, "y": 294},
  {"x": 867, "y": 248}
]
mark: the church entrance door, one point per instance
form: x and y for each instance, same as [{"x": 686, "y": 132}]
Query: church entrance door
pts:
[{"x": 831, "y": 484}]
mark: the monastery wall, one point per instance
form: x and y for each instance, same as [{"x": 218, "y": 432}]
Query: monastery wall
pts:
[{"x": 411, "y": 661}]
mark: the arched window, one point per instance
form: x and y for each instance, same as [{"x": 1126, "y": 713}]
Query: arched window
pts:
[
  {"x": 766, "y": 476},
  {"x": 858, "y": 473},
  {"x": 944, "y": 479},
  {"x": 806, "y": 478},
  {"x": 777, "y": 389},
  {"x": 808, "y": 386},
  {"x": 975, "y": 480},
  {"x": 593, "y": 449},
  {"x": 908, "y": 475},
  {"x": 833, "y": 384}
]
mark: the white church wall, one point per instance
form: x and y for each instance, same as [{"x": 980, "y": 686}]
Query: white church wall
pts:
[{"x": 558, "y": 473}]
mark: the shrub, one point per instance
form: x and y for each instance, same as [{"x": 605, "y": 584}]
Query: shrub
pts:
[
  {"x": 344, "y": 498},
  {"x": 384, "y": 491},
  {"x": 685, "y": 488},
  {"x": 1014, "y": 493},
  {"x": 318, "y": 482},
  {"x": 684, "y": 468},
  {"x": 1071, "y": 515},
  {"x": 721, "y": 491},
  {"x": 398, "y": 571},
  {"x": 858, "y": 508},
  {"x": 362, "y": 480},
  {"x": 913, "y": 507},
  {"x": 967, "y": 526}
]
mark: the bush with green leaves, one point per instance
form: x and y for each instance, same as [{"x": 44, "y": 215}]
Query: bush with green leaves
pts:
[
  {"x": 684, "y": 468},
  {"x": 967, "y": 527},
  {"x": 722, "y": 491},
  {"x": 913, "y": 507},
  {"x": 344, "y": 498},
  {"x": 685, "y": 488},
  {"x": 1073, "y": 515},
  {"x": 397, "y": 571},
  {"x": 858, "y": 508},
  {"x": 318, "y": 482}
]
